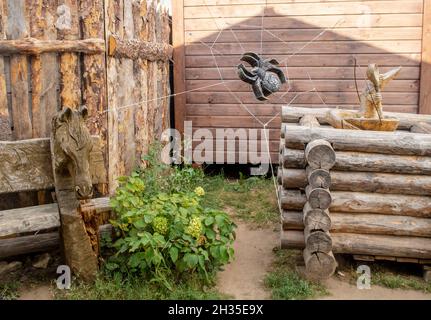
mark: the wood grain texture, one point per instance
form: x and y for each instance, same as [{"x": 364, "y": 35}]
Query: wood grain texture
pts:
[
  {"x": 5, "y": 121},
  {"x": 361, "y": 202},
  {"x": 365, "y": 223},
  {"x": 94, "y": 78},
  {"x": 134, "y": 49},
  {"x": 362, "y": 161},
  {"x": 35, "y": 46},
  {"x": 350, "y": 243},
  {"x": 178, "y": 28},
  {"x": 399, "y": 143},
  {"x": 44, "y": 67},
  {"x": 29, "y": 244},
  {"x": 293, "y": 114},
  {"x": 26, "y": 165},
  {"x": 70, "y": 92},
  {"x": 18, "y": 28},
  {"x": 30, "y": 219},
  {"x": 425, "y": 97},
  {"x": 385, "y": 183}
]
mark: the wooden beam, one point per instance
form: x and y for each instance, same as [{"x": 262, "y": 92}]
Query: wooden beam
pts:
[
  {"x": 294, "y": 114},
  {"x": 26, "y": 165},
  {"x": 366, "y": 244},
  {"x": 364, "y": 223},
  {"x": 179, "y": 63},
  {"x": 29, "y": 219},
  {"x": 44, "y": 218},
  {"x": 135, "y": 49},
  {"x": 32, "y": 46},
  {"x": 29, "y": 244},
  {"x": 425, "y": 88},
  {"x": 361, "y": 202},
  {"x": 400, "y": 143}
]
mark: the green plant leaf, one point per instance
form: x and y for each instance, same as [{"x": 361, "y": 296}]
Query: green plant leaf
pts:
[
  {"x": 209, "y": 221},
  {"x": 173, "y": 252}
]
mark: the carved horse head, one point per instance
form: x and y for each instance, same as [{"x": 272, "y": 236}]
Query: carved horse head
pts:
[{"x": 72, "y": 147}]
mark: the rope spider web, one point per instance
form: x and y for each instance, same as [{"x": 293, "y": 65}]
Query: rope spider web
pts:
[{"x": 243, "y": 105}]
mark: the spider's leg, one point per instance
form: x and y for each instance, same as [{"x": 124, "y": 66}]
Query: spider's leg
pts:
[
  {"x": 272, "y": 61},
  {"x": 278, "y": 72},
  {"x": 251, "y": 58},
  {"x": 246, "y": 75},
  {"x": 258, "y": 91}
]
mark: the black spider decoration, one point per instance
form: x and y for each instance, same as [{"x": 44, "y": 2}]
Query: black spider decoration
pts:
[{"x": 265, "y": 77}]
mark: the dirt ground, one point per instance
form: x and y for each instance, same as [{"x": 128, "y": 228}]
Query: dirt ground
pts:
[{"x": 243, "y": 278}]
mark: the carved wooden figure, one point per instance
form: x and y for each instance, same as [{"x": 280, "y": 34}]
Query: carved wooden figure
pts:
[
  {"x": 370, "y": 115},
  {"x": 71, "y": 145}
]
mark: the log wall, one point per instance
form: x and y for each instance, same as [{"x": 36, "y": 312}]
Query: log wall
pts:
[
  {"x": 389, "y": 33},
  {"x": 379, "y": 192}
]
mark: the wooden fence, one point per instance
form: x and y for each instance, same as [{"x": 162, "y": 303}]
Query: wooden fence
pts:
[
  {"x": 314, "y": 39},
  {"x": 112, "y": 56}
]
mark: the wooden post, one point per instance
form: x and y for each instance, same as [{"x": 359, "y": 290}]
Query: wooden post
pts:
[
  {"x": 179, "y": 63},
  {"x": 5, "y": 124},
  {"x": 68, "y": 29},
  {"x": 425, "y": 88}
]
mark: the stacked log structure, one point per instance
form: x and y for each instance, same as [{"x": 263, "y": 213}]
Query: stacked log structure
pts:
[{"x": 379, "y": 204}]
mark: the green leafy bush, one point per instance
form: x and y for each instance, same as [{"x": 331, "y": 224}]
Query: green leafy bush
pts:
[{"x": 165, "y": 231}]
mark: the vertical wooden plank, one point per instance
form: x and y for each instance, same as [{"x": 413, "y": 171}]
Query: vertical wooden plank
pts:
[
  {"x": 140, "y": 68},
  {"x": 114, "y": 20},
  {"x": 44, "y": 68},
  {"x": 5, "y": 124},
  {"x": 425, "y": 88},
  {"x": 179, "y": 63},
  {"x": 152, "y": 73},
  {"x": 68, "y": 29},
  {"x": 166, "y": 74},
  {"x": 159, "y": 103},
  {"x": 94, "y": 84},
  {"x": 126, "y": 101},
  {"x": 17, "y": 27}
]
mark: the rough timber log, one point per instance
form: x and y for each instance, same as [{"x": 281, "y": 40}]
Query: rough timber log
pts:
[
  {"x": 135, "y": 49},
  {"x": 319, "y": 154},
  {"x": 29, "y": 244},
  {"x": 401, "y": 143},
  {"x": 361, "y": 202},
  {"x": 316, "y": 219},
  {"x": 318, "y": 178},
  {"x": 361, "y": 181},
  {"x": 317, "y": 240},
  {"x": 318, "y": 198},
  {"x": 41, "y": 242},
  {"x": 362, "y": 223},
  {"x": 319, "y": 265},
  {"x": 31, "y": 46},
  {"x": 26, "y": 165},
  {"x": 309, "y": 121},
  {"x": 362, "y": 161},
  {"x": 349, "y": 243},
  {"x": 294, "y": 114}
]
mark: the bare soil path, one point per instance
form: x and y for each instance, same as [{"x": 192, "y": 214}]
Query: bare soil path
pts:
[
  {"x": 243, "y": 278},
  {"x": 342, "y": 290}
]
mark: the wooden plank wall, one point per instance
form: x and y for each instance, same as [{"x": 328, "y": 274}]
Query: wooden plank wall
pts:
[
  {"x": 138, "y": 89},
  {"x": 386, "y": 32},
  {"x": 34, "y": 87}
]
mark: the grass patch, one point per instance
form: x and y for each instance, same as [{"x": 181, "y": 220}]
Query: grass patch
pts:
[
  {"x": 134, "y": 288},
  {"x": 9, "y": 290},
  {"x": 249, "y": 199},
  {"x": 286, "y": 284},
  {"x": 387, "y": 278}
]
